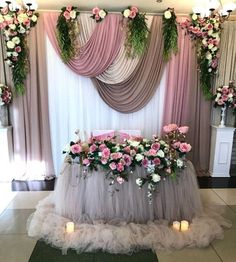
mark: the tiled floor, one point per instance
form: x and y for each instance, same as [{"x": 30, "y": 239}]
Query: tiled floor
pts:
[{"x": 16, "y": 246}]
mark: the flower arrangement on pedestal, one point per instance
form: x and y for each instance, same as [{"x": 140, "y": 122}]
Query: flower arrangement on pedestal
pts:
[
  {"x": 207, "y": 33},
  {"x": 5, "y": 95},
  {"x": 170, "y": 33},
  {"x": 98, "y": 14},
  {"x": 225, "y": 97},
  {"x": 67, "y": 30},
  {"x": 15, "y": 26},
  {"x": 160, "y": 157},
  {"x": 136, "y": 31}
]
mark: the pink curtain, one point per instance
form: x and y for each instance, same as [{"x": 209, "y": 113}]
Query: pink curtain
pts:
[
  {"x": 185, "y": 104},
  {"x": 100, "y": 50}
]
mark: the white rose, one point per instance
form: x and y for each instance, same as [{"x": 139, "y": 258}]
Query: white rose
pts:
[
  {"x": 151, "y": 168},
  {"x": 167, "y": 14},
  {"x": 156, "y": 178},
  {"x": 73, "y": 14},
  {"x": 22, "y": 30},
  {"x": 34, "y": 18},
  {"x": 15, "y": 54},
  {"x": 204, "y": 41},
  {"x": 209, "y": 70},
  {"x": 139, "y": 157},
  {"x": 218, "y": 95},
  {"x": 210, "y": 32},
  {"x": 208, "y": 56},
  {"x": 160, "y": 153},
  {"x": 216, "y": 25},
  {"x": 9, "y": 54},
  {"x": 12, "y": 26},
  {"x": 210, "y": 46},
  {"x": 139, "y": 181},
  {"x": 16, "y": 40},
  {"x": 9, "y": 62},
  {"x": 194, "y": 17},
  {"x": 126, "y": 13},
  {"x": 102, "y": 13},
  {"x": 134, "y": 143},
  {"x": 10, "y": 44},
  {"x": 7, "y": 17},
  {"x": 214, "y": 48},
  {"x": 67, "y": 148}
]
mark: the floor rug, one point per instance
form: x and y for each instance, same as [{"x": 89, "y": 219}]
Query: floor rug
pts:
[{"x": 45, "y": 253}]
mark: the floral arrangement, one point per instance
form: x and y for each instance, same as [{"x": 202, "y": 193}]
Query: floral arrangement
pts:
[
  {"x": 225, "y": 96},
  {"x": 207, "y": 33},
  {"x": 15, "y": 27},
  {"x": 170, "y": 33},
  {"x": 161, "y": 157},
  {"x": 67, "y": 29},
  {"x": 5, "y": 95},
  {"x": 98, "y": 14},
  {"x": 136, "y": 31}
]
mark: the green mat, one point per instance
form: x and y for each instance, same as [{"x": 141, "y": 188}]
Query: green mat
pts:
[{"x": 45, "y": 253}]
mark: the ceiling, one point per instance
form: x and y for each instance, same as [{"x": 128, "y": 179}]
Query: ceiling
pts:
[{"x": 149, "y": 6}]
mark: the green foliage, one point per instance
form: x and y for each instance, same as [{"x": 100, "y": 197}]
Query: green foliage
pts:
[
  {"x": 170, "y": 34},
  {"x": 137, "y": 34}
]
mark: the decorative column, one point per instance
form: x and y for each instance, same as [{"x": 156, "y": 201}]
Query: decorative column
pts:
[{"x": 221, "y": 150}]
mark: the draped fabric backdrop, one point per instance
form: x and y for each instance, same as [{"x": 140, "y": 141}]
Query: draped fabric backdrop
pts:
[{"x": 185, "y": 104}]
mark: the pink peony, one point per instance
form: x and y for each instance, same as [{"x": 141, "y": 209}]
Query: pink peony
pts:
[
  {"x": 112, "y": 165},
  {"x": 86, "y": 162},
  {"x": 156, "y": 146},
  {"x": 170, "y": 128},
  {"x": 145, "y": 162},
  {"x": 76, "y": 148},
  {"x": 156, "y": 161},
  {"x": 183, "y": 129},
  {"x": 106, "y": 153},
  {"x": 184, "y": 147},
  {"x": 102, "y": 146},
  {"x": 120, "y": 167}
]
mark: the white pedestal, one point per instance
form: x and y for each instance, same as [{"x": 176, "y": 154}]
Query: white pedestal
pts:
[
  {"x": 221, "y": 150},
  {"x": 6, "y": 153}
]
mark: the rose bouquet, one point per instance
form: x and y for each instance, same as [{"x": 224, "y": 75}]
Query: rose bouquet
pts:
[
  {"x": 5, "y": 95},
  {"x": 98, "y": 14},
  {"x": 225, "y": 96}
]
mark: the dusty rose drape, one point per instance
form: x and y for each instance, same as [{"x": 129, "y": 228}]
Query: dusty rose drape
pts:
[
  {"x": 100, "y": 50},
  {"x": 29, "y": 115},
  {"x": 185, "y": 104},
  {"x": 136, "y": 91}
]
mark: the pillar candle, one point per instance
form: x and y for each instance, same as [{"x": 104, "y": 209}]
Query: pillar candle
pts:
[
  {"x": 184, "y": 225},
  {"x": 70, "y": 227},
  {"x": 176, "y": 225}
]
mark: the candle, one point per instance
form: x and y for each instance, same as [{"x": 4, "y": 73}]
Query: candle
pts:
[
  {"x": 184, "y": 225},
  {"x": 176, "y": 225},
  {"x": 70, "y": 227}
]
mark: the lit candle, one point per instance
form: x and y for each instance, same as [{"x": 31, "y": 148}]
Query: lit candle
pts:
[
  {"x": 184, "y": 225},
  {"x": 70, "y": 227},
  {"x": 176, "y": 225}
]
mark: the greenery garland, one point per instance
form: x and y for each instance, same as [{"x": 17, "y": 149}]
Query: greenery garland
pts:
[
  {"x": 136, "y": 33},
  {"x": 170, "y": 33},
  {"x": 67, "y": 31},
  {"x": 15, "y": 27}
]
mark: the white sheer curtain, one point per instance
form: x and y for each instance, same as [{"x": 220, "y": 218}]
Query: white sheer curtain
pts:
[{"x": 75, "y": 104}]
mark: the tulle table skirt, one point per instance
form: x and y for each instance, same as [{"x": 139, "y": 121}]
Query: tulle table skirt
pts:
[{"x": 89, "y": 195}]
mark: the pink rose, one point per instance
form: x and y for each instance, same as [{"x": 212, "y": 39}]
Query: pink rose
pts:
[
  {"x": 112, "y": 165},
  {"x": 134, "y": 9},
  {"x": 169, "y": 128},
  {"x": 120, "y": 180},
  {"x": 184, "y": 147},
  {"x": 127, "y": 160},
  {"x": 106, "y": 153},
  {"x": 183, "y": 129},
  {"x": 132, "y": 152},
  {"x": 209, "y": 26},
  {"x": 145, "y": 162},
  {"x": 69, "y": 8},
  {"x": 156, "y": 161},
  {"x": 18, "y": 49},
  {"x": 127, "y": 149},
  {"x": 176, "y": 145},
  {"x": 116, "y": 156},
  {"x": 102, "y": 146},
  {"x": 156, "y": 146},
  {"x": 220, "y": 102},
  {"x": 95, "y": 10},
  {"x": 225, "y": 90},
  {"x": 92, "y": 148},
  {"x": 152, "y": 152},
  {"x": 97, "y": 17},
  {"x": 75, "y": 149},
  {"x": 132, "y": 14},
  {"x": 120, "y": 167},
  {"x": 66, "y": 14},
  {"x": 104, "y": 160},
  {"x": 168, "y": 170},
  {"x": 86, "y": 162},
  {"x": 225, "y": 98}
]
